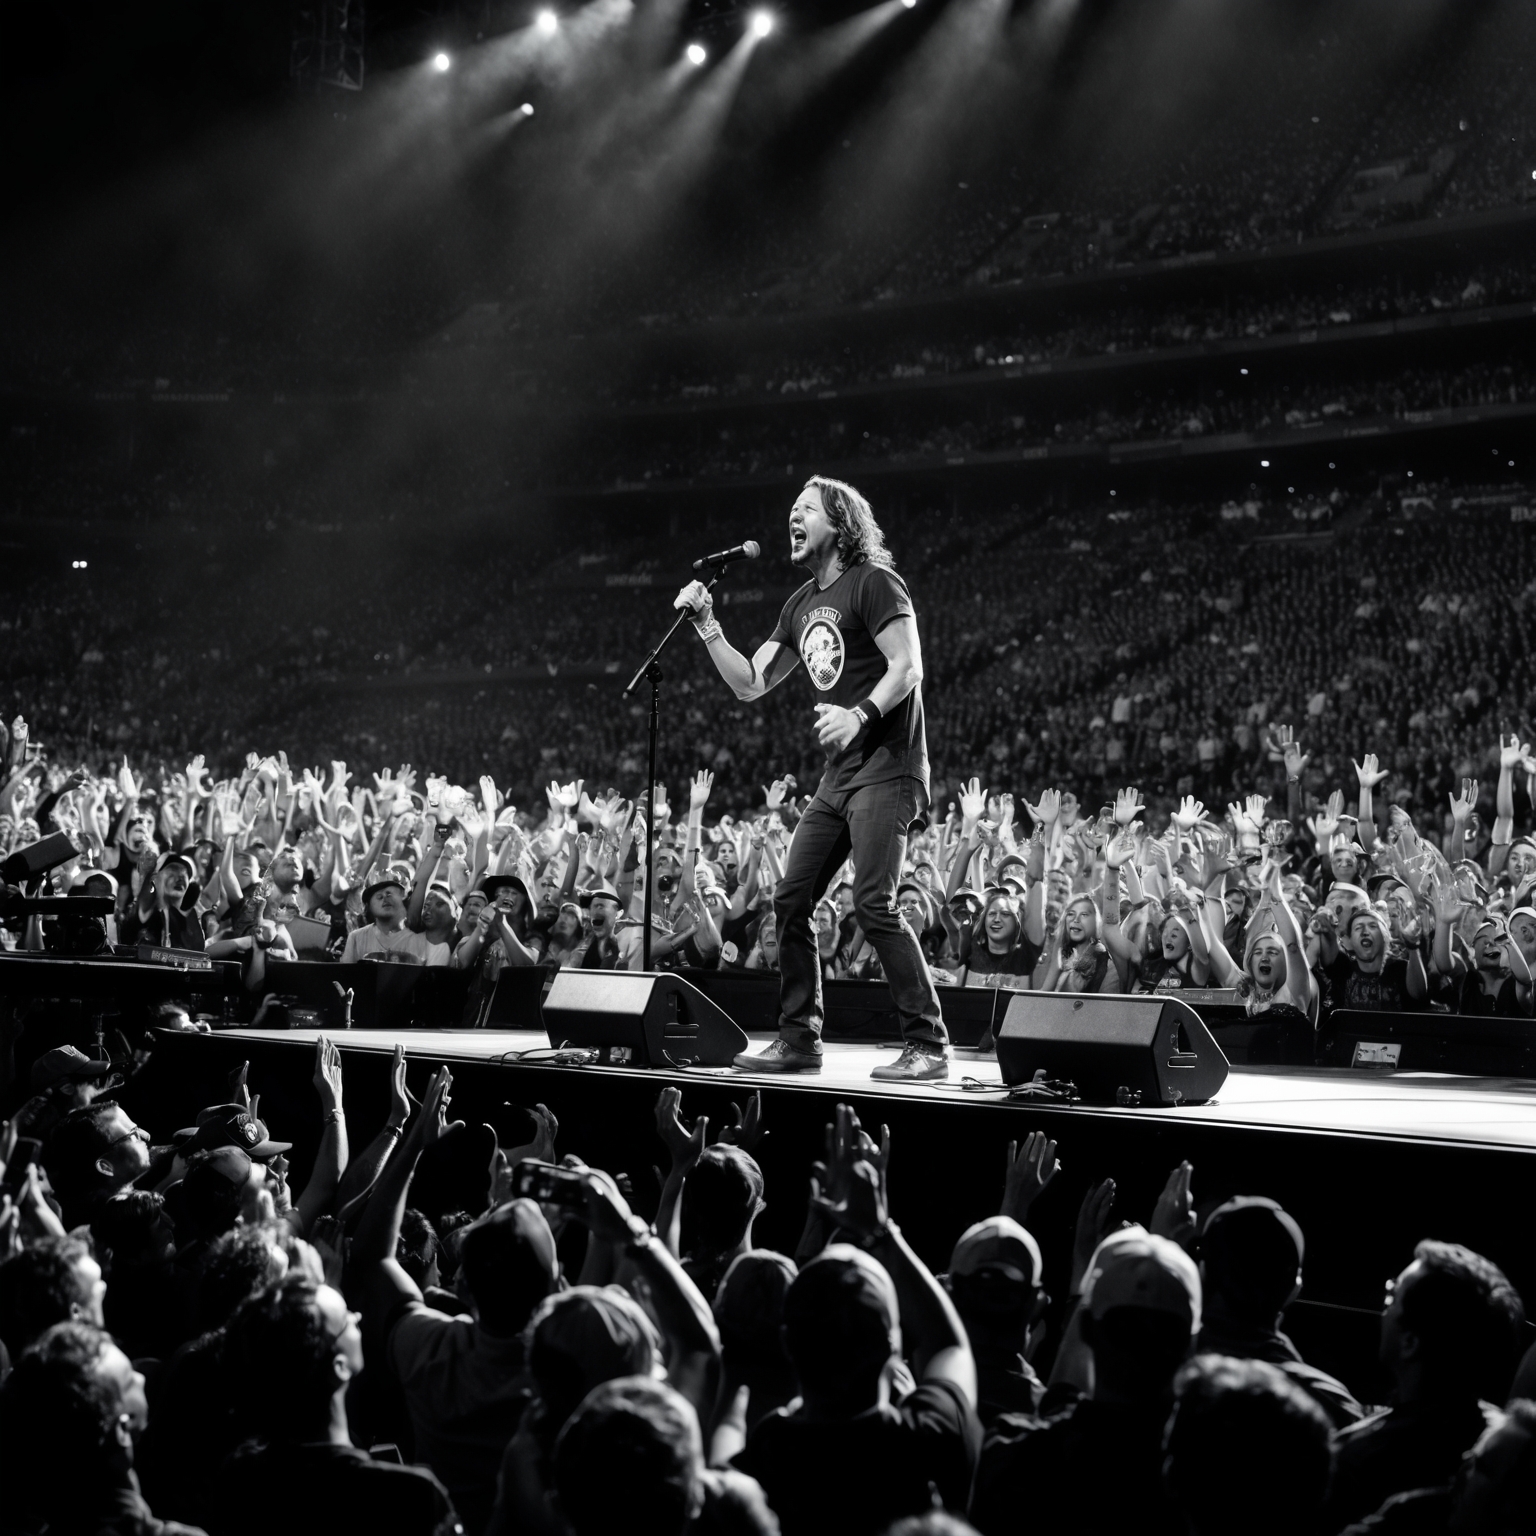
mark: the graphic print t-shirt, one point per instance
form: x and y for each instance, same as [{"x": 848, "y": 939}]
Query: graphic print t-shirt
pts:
[{"x": 833, "y": 630}]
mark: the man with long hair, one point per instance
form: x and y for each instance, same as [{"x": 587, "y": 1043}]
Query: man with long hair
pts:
[{"x": 853, "y": 628}]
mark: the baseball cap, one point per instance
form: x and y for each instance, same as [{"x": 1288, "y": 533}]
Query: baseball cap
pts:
[
  {"x": 510, "y": 1251},
  {"x": 999, "y": 1243},
  {"x": 83, "y": 878},
  {"x": 64, "y": 1063},
  {"x": 230, "y": 1125},
  {"x": 585, "y": 1336},
  {"x": 369, "y": 892},
  {"x": 1133, "y": 1268},
  {"x": 841, "y": 1295},
  {"x": 1252, "y": 1244}
]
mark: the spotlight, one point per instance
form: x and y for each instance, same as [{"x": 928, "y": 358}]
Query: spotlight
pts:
[
  {"x": 441, "y": 63},
  {"x": 547, "y": 22},
  {"x": 696, "y": 53},
  {"x": 1263, "y": 463},
  {"x": 762, "y": 23},
  {"x": 911, "y": 5},
  {"x": 526, "y": 109}
]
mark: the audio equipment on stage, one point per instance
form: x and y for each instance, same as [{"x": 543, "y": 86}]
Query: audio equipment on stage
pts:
[
  {"x": 1131, "y": 1051},
  {"x": 640, "y": 1019},
  {"x": 1431, "y": 1042}
]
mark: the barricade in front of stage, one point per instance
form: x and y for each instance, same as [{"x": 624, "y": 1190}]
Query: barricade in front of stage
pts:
[{"x": 434, "y": 997}]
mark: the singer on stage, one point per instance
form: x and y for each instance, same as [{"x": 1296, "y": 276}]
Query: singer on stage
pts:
[{"x": 853, "y": 627}]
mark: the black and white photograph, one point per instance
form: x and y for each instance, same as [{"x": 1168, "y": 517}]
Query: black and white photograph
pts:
[{"x": 768, "y": 768}]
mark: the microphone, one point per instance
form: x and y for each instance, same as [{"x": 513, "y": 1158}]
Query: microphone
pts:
[{"x": 748, "y": 551}]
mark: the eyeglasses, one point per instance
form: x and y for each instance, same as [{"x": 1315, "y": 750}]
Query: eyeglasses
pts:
[{"x": 138, "y": 1131}]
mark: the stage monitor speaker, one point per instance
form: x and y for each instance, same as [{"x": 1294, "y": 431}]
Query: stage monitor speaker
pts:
[
  {"x": 1131, "y": 1051},
  {"x": 640, "y": 1018}
]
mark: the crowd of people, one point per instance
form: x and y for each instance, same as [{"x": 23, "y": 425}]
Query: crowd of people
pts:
[
  {"x": 894, "y": 430},
  {"x": 1415, "y": 895},
  {"x": 961, "y": 346},
  {"x": 187, "y": 1343},
  {"x": 1407, "y": 632},
  {"x": 1096, "y": 187}
]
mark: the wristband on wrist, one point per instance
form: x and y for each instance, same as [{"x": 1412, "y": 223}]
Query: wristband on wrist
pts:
[
  {"x": 867, "y": 710},
  {"x": 333, "y": 1116}
]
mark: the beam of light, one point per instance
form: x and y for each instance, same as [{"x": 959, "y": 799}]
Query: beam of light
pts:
[
  {"x": 547, "y": 22},
  {"x": 927, "y": 123},
  {"x": 775, "y": 98},
  {"x": 697, "y": 53},
  {"x": 441, "y": 63}
]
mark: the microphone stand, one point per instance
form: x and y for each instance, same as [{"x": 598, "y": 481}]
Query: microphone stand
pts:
[{"x": 650, "y": 669}]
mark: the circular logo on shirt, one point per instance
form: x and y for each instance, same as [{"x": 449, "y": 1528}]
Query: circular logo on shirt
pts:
[{"x": 821, "y": 649}]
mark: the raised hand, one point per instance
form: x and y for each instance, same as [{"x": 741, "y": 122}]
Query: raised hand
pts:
[
  {"x": 1093, "y": 1226},
  {"x": 1370, "y": 775},
  {"x": 1128, "y": 806},
  {"x": 1028, "y": 1169},
  {"x": 745, "y": 1130},
  {"x": 1255, "y": 807},
  {"x": 1446, "y": 900},
  {"x": 773, "y": 794},
  {"x": 855, "y": 1200},
  {"x": 399, "y": 1097},
  {"x": 698, "y": 790},
  {"x": 431, "y": 1125},
  {"x": 1513, "y": 751},
  {"x": 1121, "y": 848},
  {"x": 1189, "y": 812},
  {"x": 1174, "y": 1214},
  {"x": 685, "y": 1143},
  {"x": 1240, "y": 819},
  {"x": 540, "y": 1149},
  {"x": 972, "y": 802},
  {"x": 1047, "y": 811},
  {"x": 1464, "y": 804}
]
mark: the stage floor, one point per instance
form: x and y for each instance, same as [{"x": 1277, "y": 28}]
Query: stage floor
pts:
[{"x": 1418, "y": 1107}]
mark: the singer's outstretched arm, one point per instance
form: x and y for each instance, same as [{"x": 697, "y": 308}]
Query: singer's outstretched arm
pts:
[{"x": 748, "y": 678}]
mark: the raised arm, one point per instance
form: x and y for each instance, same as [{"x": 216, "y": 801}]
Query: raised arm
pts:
[
  {"x": 1370, "y": 776},
  {"x": 374, "y": 1274},
  {"x": 1510, "y": 753},
  {"x": 856, "y": 1205},
  {"x": 750, "y": 679},
  {"x": 331, "y": 1160},
  {"x": 431, "y": 857}
]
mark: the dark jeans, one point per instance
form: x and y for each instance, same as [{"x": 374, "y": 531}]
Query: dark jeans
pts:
[{"x": 871, "y": 824}]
